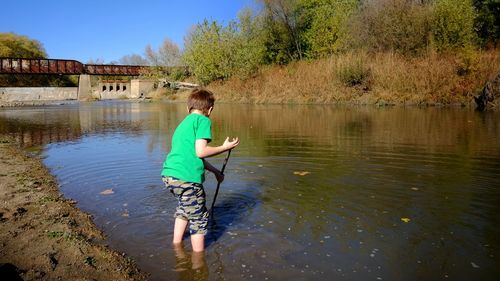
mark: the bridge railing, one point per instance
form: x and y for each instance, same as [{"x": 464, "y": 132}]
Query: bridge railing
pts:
[
  {"x": 73, "y": 67},
  {"x": 109, "y": 69},
  {"x": 40, "y": 66},
  {"x": 64, "y": 67}
]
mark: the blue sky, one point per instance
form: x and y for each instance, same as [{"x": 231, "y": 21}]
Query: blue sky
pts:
[{"x": 109, "y": 30}]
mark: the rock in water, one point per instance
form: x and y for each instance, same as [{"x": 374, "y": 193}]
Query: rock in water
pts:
[
  {"x": 107, "y": 191},
  {"x": 490, "y": 91}
]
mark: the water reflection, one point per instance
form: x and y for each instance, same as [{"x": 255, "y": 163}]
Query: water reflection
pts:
[
  {"x": 311, "y": 193},
  {"x": 43, "y": 125},
  {"x": 230, "y": 210},
  {"x": 190, "y": 267}
]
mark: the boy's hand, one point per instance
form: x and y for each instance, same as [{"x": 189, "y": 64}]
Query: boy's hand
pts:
[
  {"x": 231, "y": 144},
  {"x": 219, "y": 176}
]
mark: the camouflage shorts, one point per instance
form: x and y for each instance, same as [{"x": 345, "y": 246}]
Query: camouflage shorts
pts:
[{"x": 191, "y": 203}]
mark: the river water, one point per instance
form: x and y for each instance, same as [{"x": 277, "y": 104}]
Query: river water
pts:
[{"x": 311, "y": 193}]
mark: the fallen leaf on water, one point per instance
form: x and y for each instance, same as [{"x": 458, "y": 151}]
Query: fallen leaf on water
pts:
[
  {"x": 107, "y": 191},
  {"x": 405, "y": 219},
  {"x": 301, "y": 173}
]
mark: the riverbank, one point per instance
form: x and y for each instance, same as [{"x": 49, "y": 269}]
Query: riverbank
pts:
[
  {"x": 355, "y": 78},
  {"x": 44, "y": 236},
  {"x": 368, "y": 79},
  {"x": 36, "y": 103}
]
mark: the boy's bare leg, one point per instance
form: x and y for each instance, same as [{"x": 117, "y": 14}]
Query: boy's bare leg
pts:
[
  {"x": 179, "y": 228},
  {"x": 198, "y": 242}
]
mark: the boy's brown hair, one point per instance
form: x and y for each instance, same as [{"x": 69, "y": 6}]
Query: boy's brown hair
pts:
[{"x": 201, "y": 99}]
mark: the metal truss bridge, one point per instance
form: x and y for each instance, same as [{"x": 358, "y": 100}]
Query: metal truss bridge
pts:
[{"x": 65, "y": 67}]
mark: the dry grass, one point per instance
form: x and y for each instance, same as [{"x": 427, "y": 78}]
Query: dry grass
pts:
[{"x": 387, "y": 78}]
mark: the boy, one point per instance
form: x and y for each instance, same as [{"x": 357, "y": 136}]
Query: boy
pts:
[{"x": 183, "y": 170}]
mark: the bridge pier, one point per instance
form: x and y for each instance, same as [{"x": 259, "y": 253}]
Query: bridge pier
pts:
[
  {"x": 140, "y": 87},
  {"x": 84, "y": 87}
]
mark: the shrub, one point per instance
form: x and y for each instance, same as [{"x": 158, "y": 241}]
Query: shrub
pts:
[
  {"x": 352, "y": 70},
  {"x": 328, "y": 27},
  {"x": 467, "y": 61},
  {"x": 453, "y": 24},
  {"x": 178, "y": 74},
  {"x": 214, "y": 52}
]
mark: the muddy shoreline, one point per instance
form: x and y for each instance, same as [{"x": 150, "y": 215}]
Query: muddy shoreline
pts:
[
  {"x": 43, "y": 236},
  {"x": 36, "y": 103}
]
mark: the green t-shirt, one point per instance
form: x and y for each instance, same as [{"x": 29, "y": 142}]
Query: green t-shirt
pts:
[{"x": 182, "y": 162}]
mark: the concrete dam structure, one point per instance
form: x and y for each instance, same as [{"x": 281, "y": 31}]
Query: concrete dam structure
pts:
[{"x": 107, "y": 89}]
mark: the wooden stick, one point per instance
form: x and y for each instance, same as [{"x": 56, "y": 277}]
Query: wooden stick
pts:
[{"x": 218, "y": 183}]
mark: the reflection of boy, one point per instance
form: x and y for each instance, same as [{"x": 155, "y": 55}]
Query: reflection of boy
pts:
[
  {"x": 194, "y": 269},
  {"x": 183, "y": 170}
]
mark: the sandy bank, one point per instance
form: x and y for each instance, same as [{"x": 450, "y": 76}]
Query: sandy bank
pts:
[{"x": 44, "y": 236}]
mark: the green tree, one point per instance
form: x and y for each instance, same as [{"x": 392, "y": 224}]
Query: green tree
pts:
[
  {"x": 248, "y": 46},
  {"x": 18, "y": 46},
  {"x": 213, "y": 51},
  {"x": 283, "y": 29},
  {"x": 488, "y": 20},
  {"x": 204, "y": 52},
  {"x": 453, "y": 24},
  {"x": 327, "y": 22},
  {"x": 393, "y": 25}
]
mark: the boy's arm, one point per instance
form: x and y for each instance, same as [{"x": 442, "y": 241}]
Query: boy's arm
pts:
[
  {"x": 211, "y": 168},
  {"x": 203, "y": 150}
]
